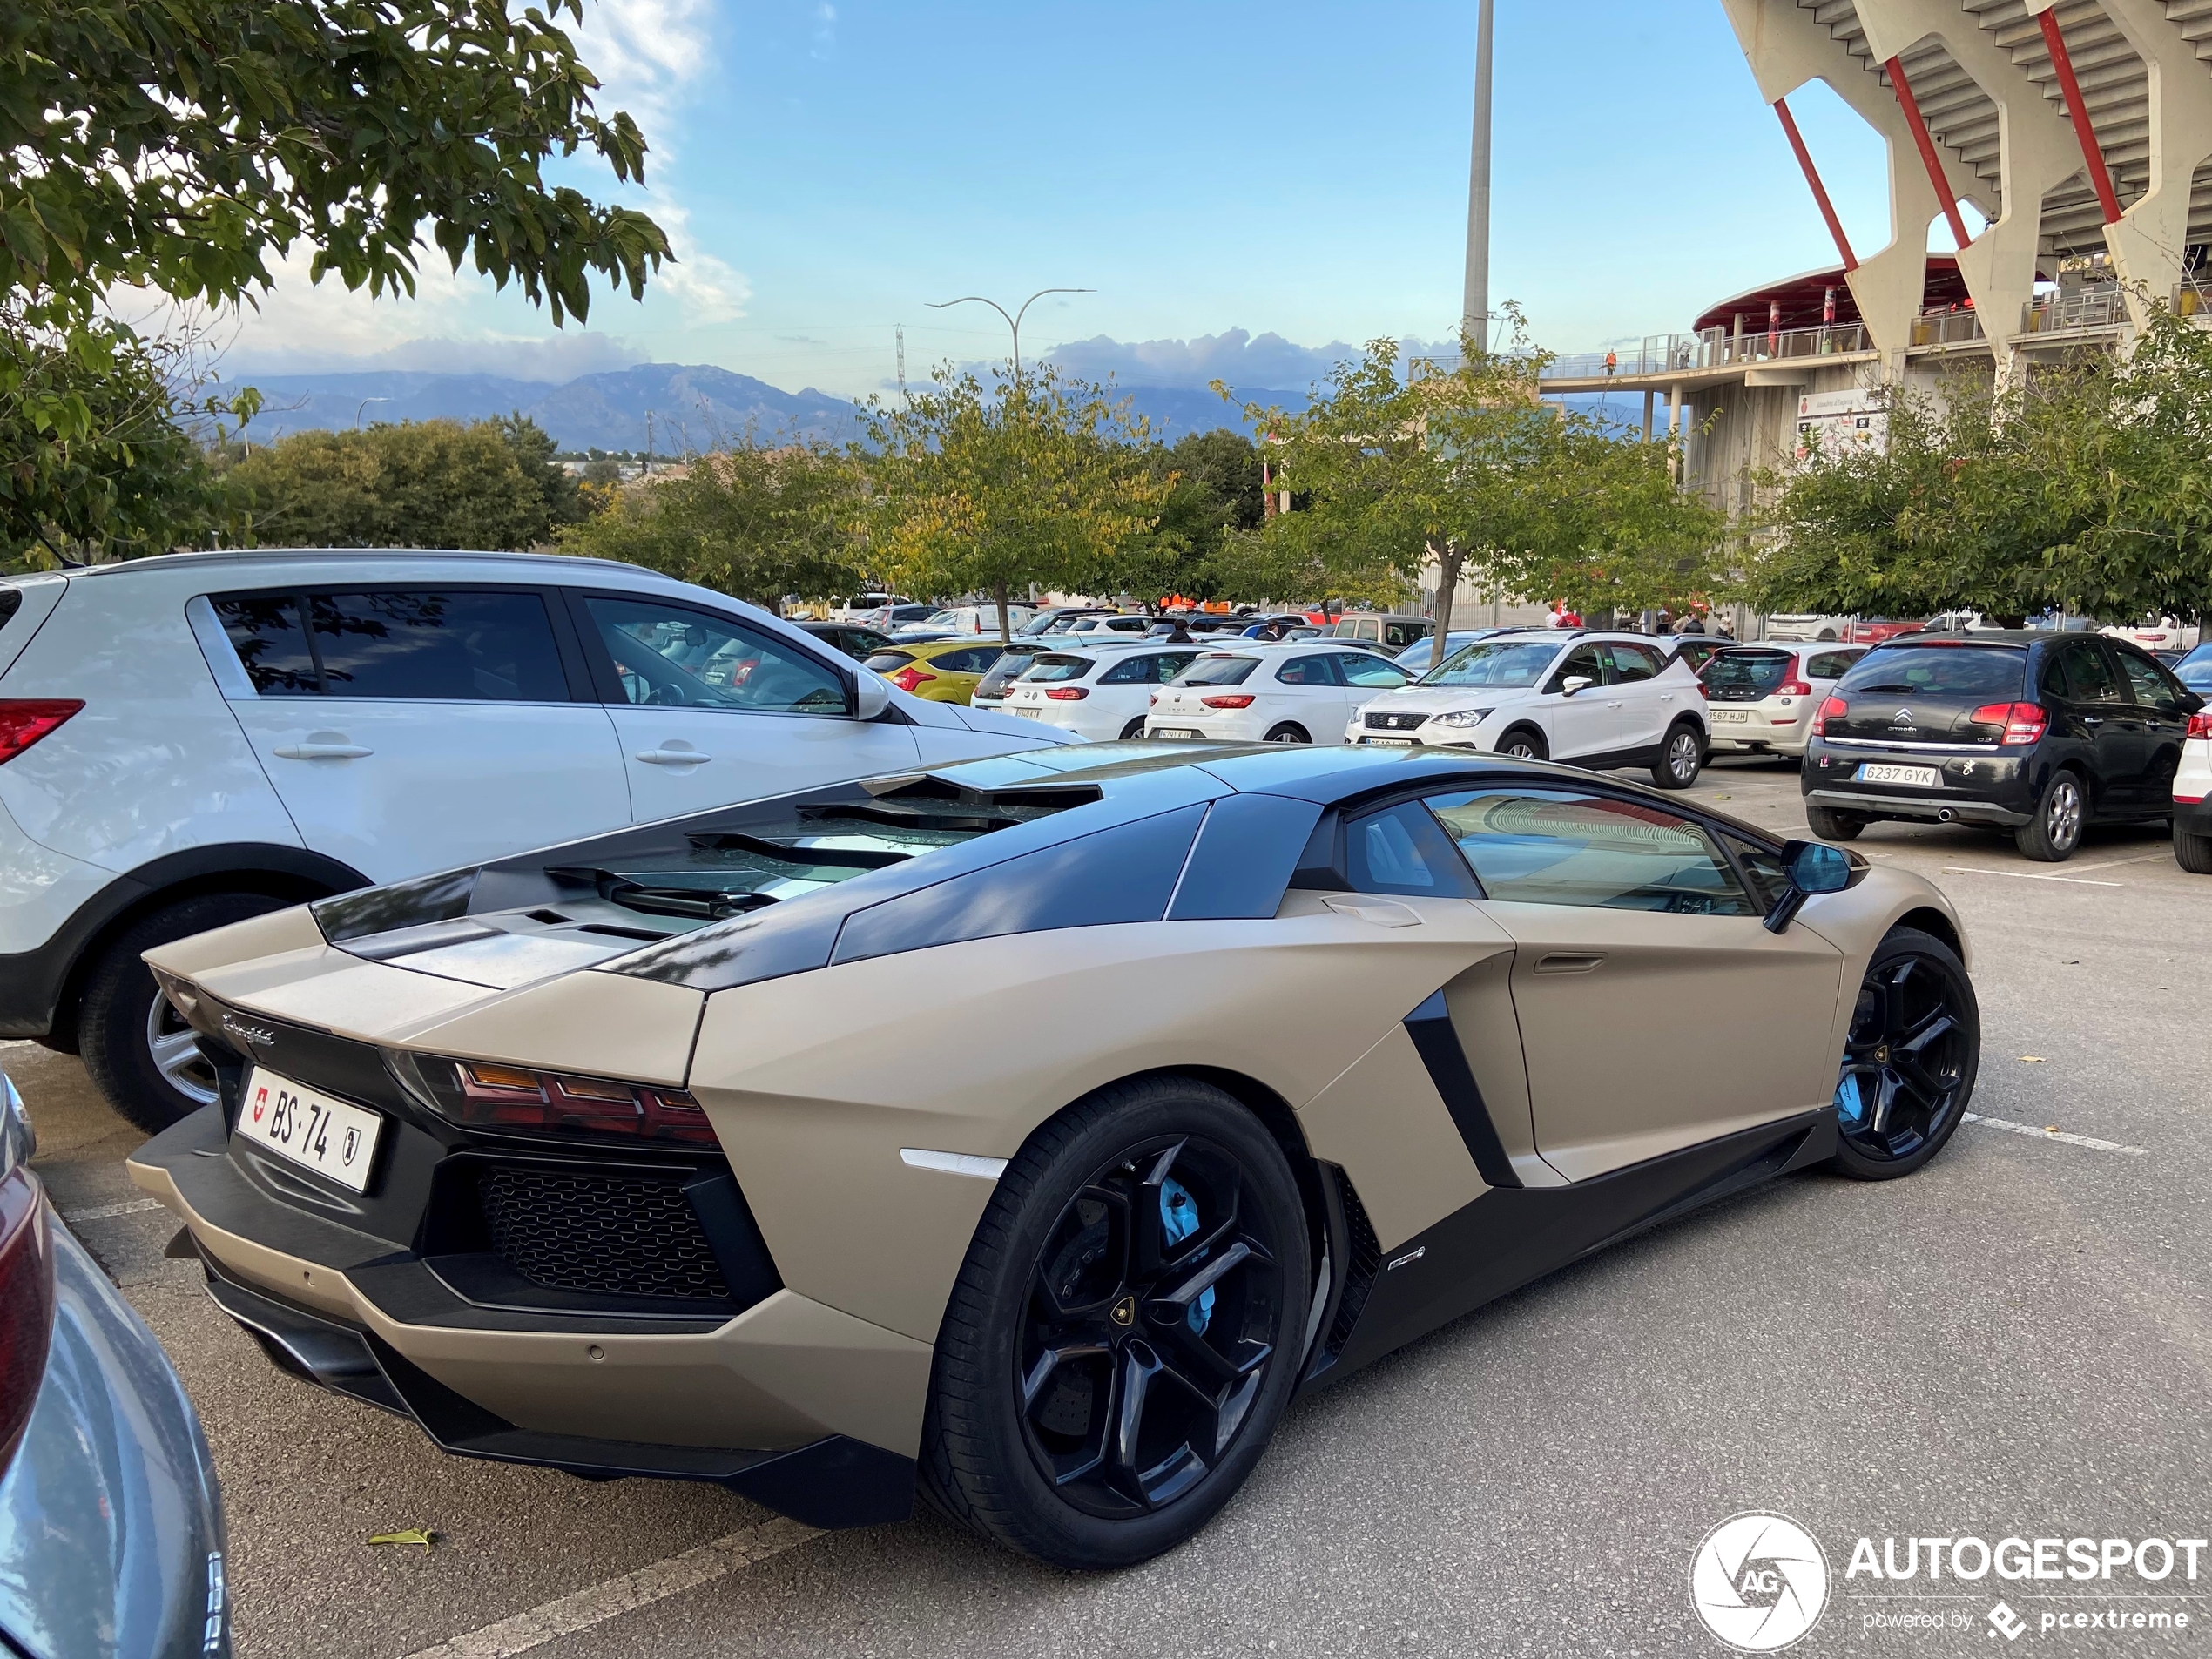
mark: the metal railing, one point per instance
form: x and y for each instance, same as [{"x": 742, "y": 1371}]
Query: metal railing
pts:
[
  {"x": 1712, "y": 348},
  {"x": 1947, "y": 328},
  {"x": 2102, "y": 305}
]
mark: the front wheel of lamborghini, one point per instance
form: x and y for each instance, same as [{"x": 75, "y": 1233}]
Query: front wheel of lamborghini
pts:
[
  {"x": 1909, "y": 1058},
  {"x": 1125, "y": 1331}
]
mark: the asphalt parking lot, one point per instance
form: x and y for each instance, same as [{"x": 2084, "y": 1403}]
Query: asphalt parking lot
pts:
[{"x": 2017, "y": 1341}]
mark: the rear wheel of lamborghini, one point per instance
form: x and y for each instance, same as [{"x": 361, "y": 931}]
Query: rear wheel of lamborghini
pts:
[
  {"x": 1909, "y": 1059},
  {"x": 1125, "y": 1331}
]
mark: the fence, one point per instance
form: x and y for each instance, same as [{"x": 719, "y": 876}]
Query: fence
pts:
[{"x": 1712, "y": 348}]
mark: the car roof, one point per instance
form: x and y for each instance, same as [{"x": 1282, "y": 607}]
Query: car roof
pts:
[{"x": 249, "y": 556}]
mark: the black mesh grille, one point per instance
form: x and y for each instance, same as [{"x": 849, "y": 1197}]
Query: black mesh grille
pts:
[
  {"x": 1394, "y": 722},
  {"x": 1359, "y": 1272},
  {"x": 612, "y": 1235}
]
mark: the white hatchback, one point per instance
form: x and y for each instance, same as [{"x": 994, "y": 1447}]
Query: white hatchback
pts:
[
  {"x": 1599, "y": 700},
  {"x": 1760, "y": 699},
  {"x": 1097, "y": 693},
  {"x": 1298, "y": 693}
]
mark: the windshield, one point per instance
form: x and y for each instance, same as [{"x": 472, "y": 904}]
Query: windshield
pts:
[
  {"x": 2195, "y": 671},
  {"x": 1219, "y": 669},
  {"x": 1988, "y": 673},
  {"x": 1060, "y": 666},
  {"x": 1508, "y": 663},
  {"x": 1747, "y": 670}
]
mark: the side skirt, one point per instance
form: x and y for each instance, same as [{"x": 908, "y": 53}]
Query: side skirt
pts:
[{"x": 1509, "y": 1236}]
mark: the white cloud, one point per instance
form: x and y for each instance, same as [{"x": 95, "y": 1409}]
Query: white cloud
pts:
[
  {"x": 824, "y": 42},
  {"x": 647, "y": 54}
]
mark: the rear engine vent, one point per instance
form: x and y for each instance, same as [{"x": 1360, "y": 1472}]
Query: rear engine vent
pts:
[
  {"x": 604, "y": 1235},
  {"x": 1360, "y": 1271}
]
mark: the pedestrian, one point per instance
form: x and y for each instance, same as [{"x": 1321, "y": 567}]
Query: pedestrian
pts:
[
  {"x": 1690, "y": 624},
  {"x": 1665, "y": 623},
  {"x": 1612, "y": 361},
  {"x": 1723, "y": 630}
]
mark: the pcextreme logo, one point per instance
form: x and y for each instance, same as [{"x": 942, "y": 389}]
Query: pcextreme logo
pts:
[{"x": 1760, "y": 1581}]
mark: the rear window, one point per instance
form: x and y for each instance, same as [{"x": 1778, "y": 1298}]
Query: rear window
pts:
[
  {"x": 10, "y": 602},
  {"x": 1986, "y": 672},
  {"x": 1747, "y": 670},
  {"x": 1060, "y": 666},
  {"x": 1219, "y": 669},
  {"x": 884, "y": 661}
]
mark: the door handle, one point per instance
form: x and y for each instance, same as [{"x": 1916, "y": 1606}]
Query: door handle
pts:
[
  {"x": 672, "y": 756},
  {"x": 1570, "y": 961},
  {"x": 321, "y": 752}
]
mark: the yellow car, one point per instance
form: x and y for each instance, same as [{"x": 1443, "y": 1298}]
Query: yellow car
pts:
[{"x": 944, "y": 671}]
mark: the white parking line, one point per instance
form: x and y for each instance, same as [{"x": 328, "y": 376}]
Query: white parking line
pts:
[
  {"x": 2024, "y": 875},
  {"x": 2089, "y": 1141},
  {"x": 101, "y": 1212},
  {"x": 568, "y": 1613}
]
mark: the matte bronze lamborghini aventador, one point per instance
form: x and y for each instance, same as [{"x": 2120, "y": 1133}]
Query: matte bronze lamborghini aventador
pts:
[{"x": 1024, "y": 1134}]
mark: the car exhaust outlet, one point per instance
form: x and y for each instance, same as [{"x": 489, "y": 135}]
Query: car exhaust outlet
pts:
[{"x": 1944, "y": 815}]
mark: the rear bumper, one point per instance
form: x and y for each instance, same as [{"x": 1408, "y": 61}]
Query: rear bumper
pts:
[
  {"x": 1935, "y": 812},
  {"x": 2192, "y": 818},
  {"x": 796, "y": 1404}
]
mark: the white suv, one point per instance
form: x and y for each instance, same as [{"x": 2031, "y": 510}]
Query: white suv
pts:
[
  {"x": 1600, "y": 700},
  {"x": 191, "y": 740}
]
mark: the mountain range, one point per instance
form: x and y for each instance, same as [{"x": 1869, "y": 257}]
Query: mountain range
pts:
[{"x": 672, "y": 408}]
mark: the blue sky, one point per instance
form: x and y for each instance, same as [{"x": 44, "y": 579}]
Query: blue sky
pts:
[{"x": 829, "y": 167}]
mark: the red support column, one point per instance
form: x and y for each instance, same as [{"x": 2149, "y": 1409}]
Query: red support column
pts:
[
  {"x": 2092, "y": 153},
  {"x": 1813, "y": 178},
  {"x": 1929, "y": 159}
]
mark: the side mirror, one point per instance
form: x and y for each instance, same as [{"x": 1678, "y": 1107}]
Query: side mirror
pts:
[
  {"x": 872, "y": 697},
  {"x": 1813, "y": 866},
  {"x": 1575, "y": 682}
]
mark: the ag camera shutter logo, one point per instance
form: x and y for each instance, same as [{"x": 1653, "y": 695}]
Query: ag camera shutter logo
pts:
[{"x": 1760, "y": 1581}]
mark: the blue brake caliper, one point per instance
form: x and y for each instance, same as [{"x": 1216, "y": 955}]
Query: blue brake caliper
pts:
[{"x": 1179, "y": 1215}]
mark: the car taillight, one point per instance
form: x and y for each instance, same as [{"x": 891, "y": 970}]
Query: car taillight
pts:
[
  {"x": 2200, "y": 723},
  {"x": 1228, "y": 701},
  {"x": 514, "y": 1097},
  {"x": 1152, "y": 700},
  {"x": 26, "y": 1303},
  {"x": 1793, "y": 688},
  {"x": 911, "y": 679},
  {"x": 23, "y": 720},
  {"x": 2023, "y": 722},
  {"x": 1068, "y": 693},
  {"x": 1832, "y": 708}
]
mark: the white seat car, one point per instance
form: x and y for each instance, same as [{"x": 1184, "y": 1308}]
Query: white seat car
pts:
[
  {"x": 1097, "y": 693},
  {"x": 1600, "y": 700},
  {"x": 1300, "y": 693},
  {"x": 191, "y": 740},
  {"x": 1760, "y": 699}
]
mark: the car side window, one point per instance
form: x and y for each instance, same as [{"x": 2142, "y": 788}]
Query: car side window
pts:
[
  {"x": 2152, "y": 688},
  {"x": 976, "y": 659},
  {"x": 1401, "y": 850},
  {"x": 1583, "y": 663},
  {"x": 1633, "y": 662},
  {"x": 1831, "y": 664},
  {"x": 1770, "y": 881},
  {"x": 2083, "y": 675},
  {"x": 271, "y": 643},
  {"x": 673, "y": 657},
  {"x": 1370, "y": 672},
  {"x": 1572, "y": 846},
  {"x": 438, "y": 646},
  {"x": 1131, "y": 671},
  {"x": 1305, "y": 671}
]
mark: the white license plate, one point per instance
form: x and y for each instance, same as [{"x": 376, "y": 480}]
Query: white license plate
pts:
[
  {"x": 1028, "y": 713},
  {"x": 326, "y": 1135},
  {"x": 1871, "y": 771},
  {"x": 1731, "y": 717},
  {"x": 1174, "y": 731},
  {"x": 1392, "y": 743}
]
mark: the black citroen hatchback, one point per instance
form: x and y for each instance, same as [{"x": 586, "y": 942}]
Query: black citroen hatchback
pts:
[{"x": 2040, "y": 734}]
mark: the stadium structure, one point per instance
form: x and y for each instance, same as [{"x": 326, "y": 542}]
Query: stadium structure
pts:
[{"x": 2079, "y": 132}]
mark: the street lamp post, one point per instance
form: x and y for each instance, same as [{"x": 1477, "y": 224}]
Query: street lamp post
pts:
[
  {"x": 1475, "y": 304},
  {"x": 365, "y": 402},
  {"x": 1013, "y": 322}
]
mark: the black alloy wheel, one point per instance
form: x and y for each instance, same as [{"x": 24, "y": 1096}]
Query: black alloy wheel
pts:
[
  {"x": 1126, "y": 1331},
  {"x": 1909, "y": 1058}
]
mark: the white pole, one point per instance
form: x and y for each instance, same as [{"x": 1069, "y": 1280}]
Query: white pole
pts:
[{"x": 1475, "y": 309}]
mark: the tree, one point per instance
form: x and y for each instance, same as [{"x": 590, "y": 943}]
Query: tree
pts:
[
  {"x": 92, "y": 450},
  {"x": 2084, "y": 483},
  {"x": 1213, "y": 493},
  {"x": 1044, "y": 482},
  {"x": 177, "y": 146},
  {"x": 1468, "y": 466},
  {"x": 534, "y": 451},
  {"x": 177, "y": 143},
  {"x": 757, "y": 523},
  {"x": 416, "y": 483}
]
